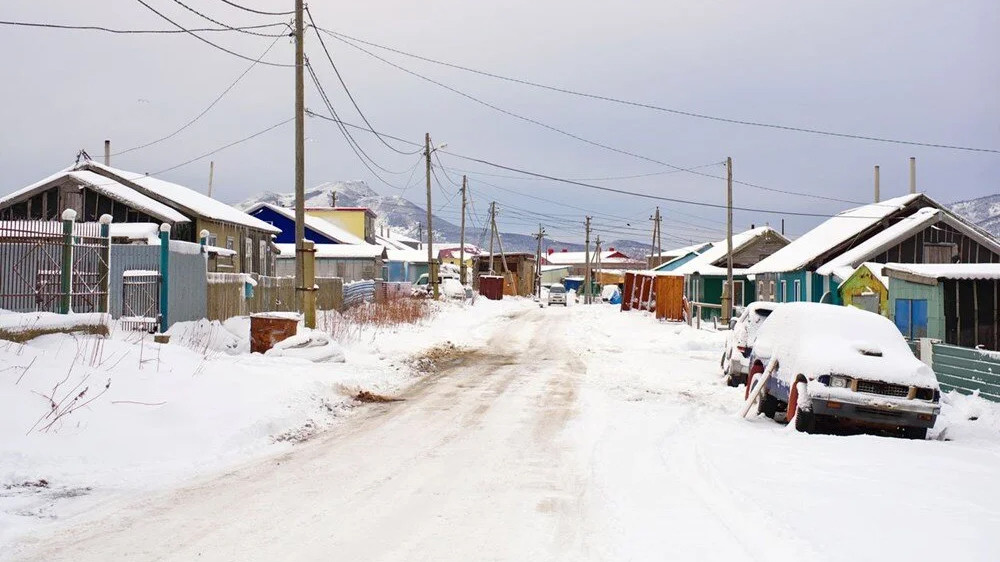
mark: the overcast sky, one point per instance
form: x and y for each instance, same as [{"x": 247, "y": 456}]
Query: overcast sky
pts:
[{"x": 916, "y": 70}]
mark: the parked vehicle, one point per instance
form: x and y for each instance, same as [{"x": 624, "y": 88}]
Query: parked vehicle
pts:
[
  {"x": 736, "y": 356},
  {"x": 557, "y": 295},
  {"x": 842, "y": 366},
  {"x": 422, "y": 285},
  {"x": 608, "y": 291}
]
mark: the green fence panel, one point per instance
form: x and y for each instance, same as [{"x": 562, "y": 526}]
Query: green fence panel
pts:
[{"x": 967, "y": 370}]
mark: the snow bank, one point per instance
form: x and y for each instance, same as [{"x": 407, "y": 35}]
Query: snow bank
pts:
[
  {"x": 22, "y": 322},
  {"x": 310, "y": 345}
]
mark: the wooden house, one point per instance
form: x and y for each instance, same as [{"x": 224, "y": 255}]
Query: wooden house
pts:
[
  {"x": 908, "y": 229},
  {"x": 522, "y": 268},
  {"x": 92, "y": 190},
  {"x": 958, "y": 304},
  {"x": 866, "y": 288}
]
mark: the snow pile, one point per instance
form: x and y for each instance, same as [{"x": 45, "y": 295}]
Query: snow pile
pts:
[
  {"x": 48, "y": 321},
  {"x": 967, "y": 418},
  {"x": 310, "y": 345}
]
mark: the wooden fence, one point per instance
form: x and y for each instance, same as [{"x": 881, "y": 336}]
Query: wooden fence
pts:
[
  {"x": 228, "y": 295},
  {"x": 662, "y": 295}
]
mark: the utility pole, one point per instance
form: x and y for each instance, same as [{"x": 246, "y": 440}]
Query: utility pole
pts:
[
  {"x": 493, "y": 231},
  {"x": 586, "y": 261},
  {"x": 461, "y": 250},
  {"x": 333, "y": 198},
  {"x": 503, "y": 256},
  {"x": 432, "y": 266},
  {"x": 420, "y": 234},
  {"x": 306, "y": 295},
  {"x": 659, "y": 236},
  {"x": 727, "y": 292},
  {"x": 107, "y": 153},
  {"x": 597, "y": 258},
  {"x": 654, "y": 246},
  {"x": 538, "y": 261},
  {"x": 878, "y": 196},
  {"x": 211, "y": 176}
]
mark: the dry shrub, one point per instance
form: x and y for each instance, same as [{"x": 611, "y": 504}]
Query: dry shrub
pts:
[
  {"x": 30, "y": 333},
  {"x": 392, "y": 312}
]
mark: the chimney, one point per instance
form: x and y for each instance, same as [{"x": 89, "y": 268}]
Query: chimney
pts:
[
  {"x": 877, "y": 196},
  {"x": 913, "y": 175},
  {"x": 752, "y": 226},
  {"x": 107, "y": 153}
]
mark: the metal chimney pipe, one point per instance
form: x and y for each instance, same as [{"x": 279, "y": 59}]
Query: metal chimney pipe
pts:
[
  {"x": 913, "y": 175},
  {"x": 107, "y": 153},
  {"x": 877, "y": 197}
]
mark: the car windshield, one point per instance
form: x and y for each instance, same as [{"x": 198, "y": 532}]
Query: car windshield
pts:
[{"x": 557, "y": 289}]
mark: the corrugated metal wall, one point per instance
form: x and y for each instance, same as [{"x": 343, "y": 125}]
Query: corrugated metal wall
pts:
[{"x": 188, "y": 295}]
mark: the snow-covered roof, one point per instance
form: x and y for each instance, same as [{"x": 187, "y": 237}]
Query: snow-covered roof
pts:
[
  {"x": 903, "y": 229},
  {"x": 183, "y": 197},
  {"x": 845, "y": 272},
  {"x": 110, "y": 188},
  {"x": 324, "y": 227},
  {"x": 148, "y": 231},
  {"x": 572, "y": 258},
  {"x": 554, "y": 267},
  {"x": 831, "y": 233},
  {"x": 946, "y": 270},
  {"x": 335, "y": 251},
  {"x": 408, "y": 255},
  {"x": 703, "y": 263},
  {"x": 680, "y": 252}
]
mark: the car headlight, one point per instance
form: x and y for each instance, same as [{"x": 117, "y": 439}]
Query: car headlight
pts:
[
  {"x": 840, "y": 382},
  {"x": 925, "y": 394}
]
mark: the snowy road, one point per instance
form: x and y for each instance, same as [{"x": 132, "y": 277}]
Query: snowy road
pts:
[{"x": 575, "y": 434}]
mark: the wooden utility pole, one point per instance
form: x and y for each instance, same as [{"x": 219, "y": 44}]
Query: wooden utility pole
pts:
[
  {"x": 420, "y": 234},
  {"x": 878, "y": 196},
  {"x": 493, "y": 231},
  {"x": 503, "y": 256},
  {"x": 431, "y": 264},
  {"x": 654, "y": 246},
  {"x": 306, "y": 294},
  {"x": 461, "y": 250},
  {"x": 586, "y": 261},
  {"x": 211, "y": 176},
  {"x": 538, "y": 261},
  {"x": 597, "y": 258},
  {"x": 727, "y": 291}
]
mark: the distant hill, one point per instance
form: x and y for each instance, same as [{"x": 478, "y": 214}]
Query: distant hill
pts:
[
  {"x": 984, "y": 211},
  {"x": 402, "y": 215}
]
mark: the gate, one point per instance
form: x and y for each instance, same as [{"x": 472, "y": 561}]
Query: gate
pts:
[
  {"x": 50, "y": 266},
  {"x": 140, "y": 300}
]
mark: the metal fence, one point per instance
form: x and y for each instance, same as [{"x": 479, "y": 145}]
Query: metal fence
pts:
[
  {"x": 53, "y": 266},
  {"x": 967, "y": 370}
]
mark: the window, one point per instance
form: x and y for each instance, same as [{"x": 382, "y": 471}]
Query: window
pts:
[
  {"x": 772, "y": 293},
  {"x": 230, "y": 243},
  {"x": 797, "y": 290},
  {"x": 784, "y": 291},
  {"x": 248, "y": 254},
  {"x": 262, "y": 257},
  {"x": 213, "y": 240},
  {"x": 911, "y": 318},
  {"x": 737, "y": 292}
]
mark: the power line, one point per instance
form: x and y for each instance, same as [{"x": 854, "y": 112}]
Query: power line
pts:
[
  {"x": 207, "y": 109},
  {"x": 220, "y": 149},
  {"x": 347, "y": 90},
  {"x": 253, "y": 11},
  {"x": 575, "y": 136},
  {"x": 227, "y": 26},
  {"x": 743, "y": 122},
  {"x": 597, "y": 187},
  {"x": 136, "y": 31},
  {"x": 203, "y": 40}
]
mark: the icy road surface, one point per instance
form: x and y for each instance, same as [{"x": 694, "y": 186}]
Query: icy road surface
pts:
[{"x": 575, "y": 434}]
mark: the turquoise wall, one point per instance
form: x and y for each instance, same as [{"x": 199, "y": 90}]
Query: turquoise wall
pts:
[{"x": 933, "y": 294}]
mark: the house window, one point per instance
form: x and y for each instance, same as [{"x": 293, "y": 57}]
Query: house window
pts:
[
  {"x": 911, "y": 318},
  {"x": 230, "y": 243},
  {"x": 248, "y": 254},
  {"x": 784, "y": 291},
  {"x": 797, "y": 288},
  {"x": 772, "y": 294},
  {"x": 262, "y": 257},
  {"x": 736, "y": 295},
  {"x": 212, "y": 240}
]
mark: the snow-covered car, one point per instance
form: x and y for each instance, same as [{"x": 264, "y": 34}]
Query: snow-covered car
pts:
[
  {"x": 839, "y": 365},
  {"x": 423, "y": 287},
  {"x": 557, "y": 295},
  {"x": 739, "y": 345},
  {"x": 452, "y": 288}
]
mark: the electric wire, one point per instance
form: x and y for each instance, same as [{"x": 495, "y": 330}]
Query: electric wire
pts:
[
  {"x": 136, "y": 31},
  {"x": 203, "y": 40},
  {"x": 347, "y": 90},
  {"x": 705, "y": 116},
  {"x": 254, "y": 11},
  {"x": 227, "y": 26},
  {"x": 220, "y": 149},
  {"x": 206, "y": 110}
]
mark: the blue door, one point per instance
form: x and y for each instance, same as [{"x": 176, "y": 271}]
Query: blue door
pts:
[
  {"x": 911, "y": 318},
  {"x": 903, "y": 316}
]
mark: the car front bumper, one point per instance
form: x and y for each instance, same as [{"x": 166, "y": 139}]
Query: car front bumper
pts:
[{"x": 877, "y": 410}]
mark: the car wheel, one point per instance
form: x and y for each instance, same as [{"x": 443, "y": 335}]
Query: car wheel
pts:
[
  {"x": 915, "y": 433},
  {"x": 768, "y": 405},
  {"x": 805, "y": 421},
  {"x": 754, "y": 371}
]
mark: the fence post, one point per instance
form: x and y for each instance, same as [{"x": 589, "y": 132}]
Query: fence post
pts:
[
  {"x": 309, "y": 280},
  {"x": 66, "y": 274},
  {"x": 926, "y": 349},
  {"x": 104, "y": 264},
  {"x": 164, "y": 275}
]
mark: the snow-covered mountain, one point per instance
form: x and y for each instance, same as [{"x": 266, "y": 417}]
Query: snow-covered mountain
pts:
[
  {"x": 984, "y": 211},
  {"x": 404, "y": 216}
]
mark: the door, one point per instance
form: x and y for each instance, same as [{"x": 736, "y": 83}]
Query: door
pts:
[
  {"x": 911, "y": 318},
  {"x": 869, "y": 302}
]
